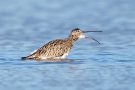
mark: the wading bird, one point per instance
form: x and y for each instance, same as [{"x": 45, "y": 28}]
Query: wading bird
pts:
[{"x": 59, "y": 48}]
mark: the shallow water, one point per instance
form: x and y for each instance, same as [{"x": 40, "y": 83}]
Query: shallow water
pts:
[{"x": 25, "y": 25}]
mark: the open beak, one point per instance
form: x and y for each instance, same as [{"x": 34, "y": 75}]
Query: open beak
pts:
[{"x": 90, "y": 36}]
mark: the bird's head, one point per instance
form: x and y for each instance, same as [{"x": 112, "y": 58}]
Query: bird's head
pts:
[{"x": 76, "y": 33}]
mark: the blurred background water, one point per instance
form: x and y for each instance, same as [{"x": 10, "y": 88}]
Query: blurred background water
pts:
[{"x": 26, "y": 25}]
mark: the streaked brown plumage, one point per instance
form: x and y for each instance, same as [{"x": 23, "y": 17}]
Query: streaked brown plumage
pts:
[{"x": 56, "y": 49}]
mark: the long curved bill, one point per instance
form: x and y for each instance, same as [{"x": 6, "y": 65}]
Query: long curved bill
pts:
[{"x": 90, "y": 36}]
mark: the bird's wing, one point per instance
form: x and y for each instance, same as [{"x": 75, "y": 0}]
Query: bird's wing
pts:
[
  {"x": 56, "y": 51},
  {"x": 54, "y": 48}
]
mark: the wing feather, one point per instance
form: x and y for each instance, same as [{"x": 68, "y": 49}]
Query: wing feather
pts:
[{"x": 55, "y": 48}]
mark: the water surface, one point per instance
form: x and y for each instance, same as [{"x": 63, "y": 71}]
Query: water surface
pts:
[{"x": 26, "y": 25}]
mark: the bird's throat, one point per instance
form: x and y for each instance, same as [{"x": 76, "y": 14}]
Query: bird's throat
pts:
[{"x": 72, "y": 38}]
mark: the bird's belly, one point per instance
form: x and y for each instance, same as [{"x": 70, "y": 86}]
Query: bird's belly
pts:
[{"x": 54, "y": 57}]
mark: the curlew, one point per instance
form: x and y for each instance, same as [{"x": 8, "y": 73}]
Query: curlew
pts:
[{"x": 59, "y": 48}]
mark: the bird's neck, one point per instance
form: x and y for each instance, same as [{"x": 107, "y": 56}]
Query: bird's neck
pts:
[{"x": 72, "y": 38}]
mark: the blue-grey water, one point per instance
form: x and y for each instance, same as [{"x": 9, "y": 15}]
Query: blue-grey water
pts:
[{"x": 26, "y": 25}]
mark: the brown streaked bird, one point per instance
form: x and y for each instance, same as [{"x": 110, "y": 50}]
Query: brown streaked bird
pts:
[{"x": 59, "y": 48}]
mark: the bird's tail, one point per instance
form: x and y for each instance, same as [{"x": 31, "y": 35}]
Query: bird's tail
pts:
[
  {"x": 28, "y": 57},
  {"x": 23, "y": 58}
]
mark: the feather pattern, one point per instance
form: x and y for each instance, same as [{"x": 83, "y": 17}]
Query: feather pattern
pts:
[{"x": 56, "y": 49}]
